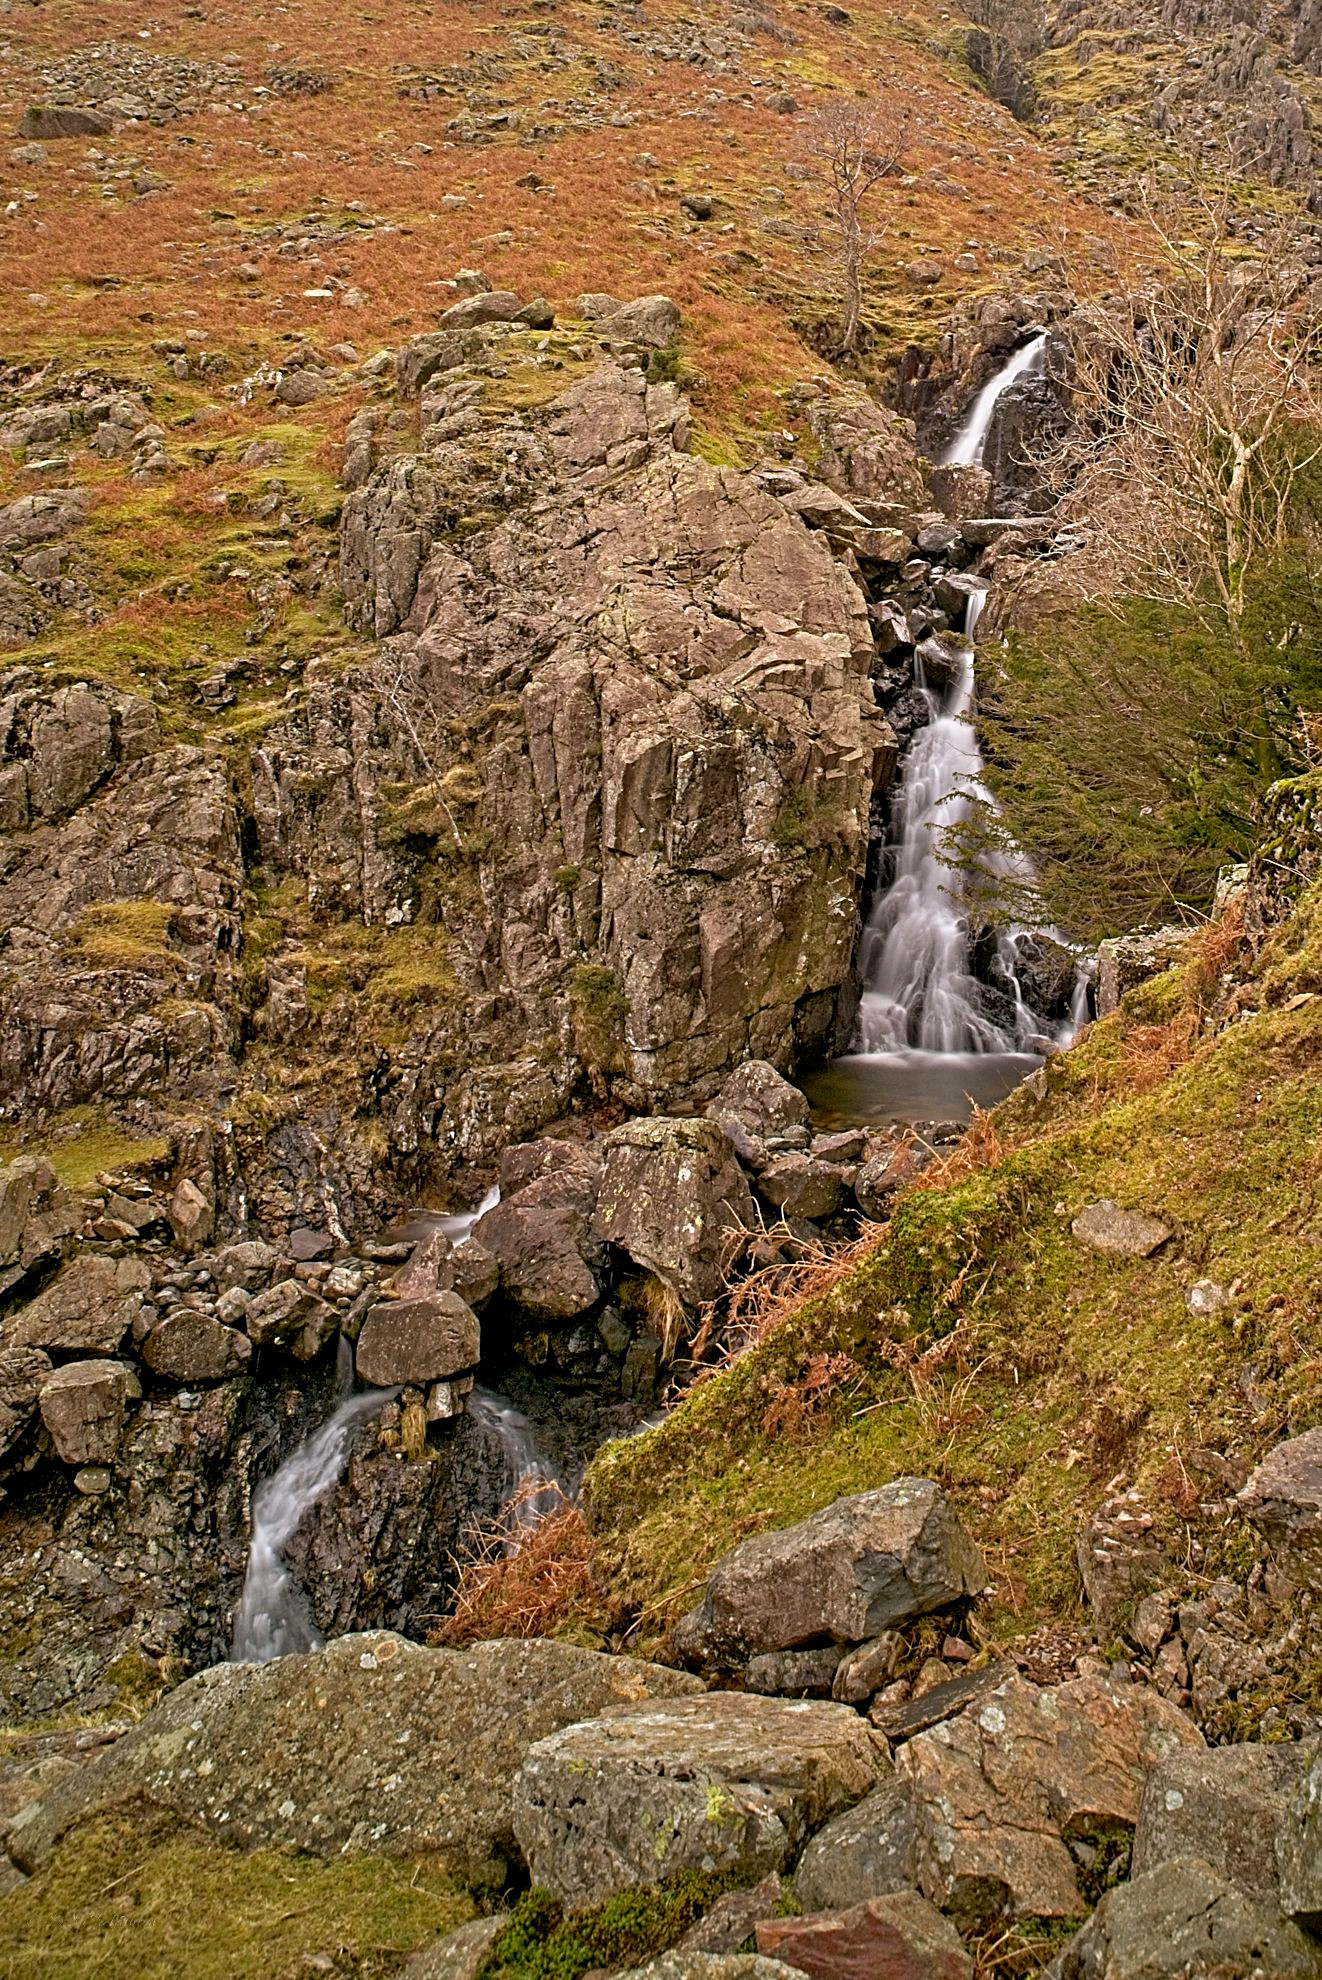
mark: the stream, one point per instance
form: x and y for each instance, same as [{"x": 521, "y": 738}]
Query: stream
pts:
[{"x": 933, "y": 1039}]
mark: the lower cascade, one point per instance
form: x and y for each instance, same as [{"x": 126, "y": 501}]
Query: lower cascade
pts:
[{"x": 273, "y": 1618}]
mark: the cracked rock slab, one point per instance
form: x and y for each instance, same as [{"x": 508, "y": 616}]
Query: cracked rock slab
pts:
[{"x": 726, "y": 1782}]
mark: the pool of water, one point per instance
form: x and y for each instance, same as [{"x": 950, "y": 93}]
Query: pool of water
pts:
[{"x": 880, "y": 1087}]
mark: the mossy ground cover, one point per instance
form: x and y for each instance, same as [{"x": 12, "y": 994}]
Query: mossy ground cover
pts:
[
  {"x": 541, "y": 1942},
  {"x": 976, "y": 1341},
  {"x": 156, "y": 1900}
]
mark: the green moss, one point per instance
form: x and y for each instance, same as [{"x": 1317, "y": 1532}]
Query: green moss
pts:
[
  {"x": 122, "y": 934},
  {"x": 599, "y": 1009},
  {"x": 157, "y": 1900},
  {"x": 542, "y": 1943},
  {"x": 1045, "y": 1368},
  {"x": 82, "y": 1143}
]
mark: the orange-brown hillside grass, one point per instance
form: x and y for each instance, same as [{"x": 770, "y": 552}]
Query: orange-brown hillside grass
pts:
[{"x": 534, "y": 1580}]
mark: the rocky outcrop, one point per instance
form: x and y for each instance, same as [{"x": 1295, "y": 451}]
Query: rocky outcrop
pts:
[
  {"x": 844, "y": 1574},
  {"x": 371, "y": 1746},
  {"x": 725, "y": 1782}
]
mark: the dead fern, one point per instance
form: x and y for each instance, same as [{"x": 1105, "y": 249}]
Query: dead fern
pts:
[{"x": 525, "y": 1580}]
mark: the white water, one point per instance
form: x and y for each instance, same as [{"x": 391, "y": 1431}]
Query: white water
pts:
[
  {"x": 532, "y": 1486},
  {"x": 459, "y": 1228},
  {"x": 920, "y": 997},
  {"x": 274, "y": 1618},
  {"x": 966, "y": 449}
]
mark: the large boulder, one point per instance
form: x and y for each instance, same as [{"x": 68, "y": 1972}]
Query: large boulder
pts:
[
  {"x": 1005, "y": 1794},
  {"x": 673, "y": 1197},
  {"x": 759, "y": 1100},
  {"x": 82, "y": 1406},
  {"x": 195, "y": 1347},
  {"x": 844, "y": 1574},
  {"x": 1186, "y": 1922},
  {"x": 725, "y": 1782},
  {"x": 898, "y": 1937},
  {"x": 87, "y": 1310},
  {"x": 372, "y": 1746},
  {"x": 418, "y": 1340},
  {"x": 290, "y": 1315},
  {"x": 44, "y": 122},
  {"x": 801, "y": 1185},
  {"x": 867, "y": 1852},
  {"x": 652, "y": 321},
  {"x": 1225, "y": 1804},
  {"x": 542, "y": 1239}
]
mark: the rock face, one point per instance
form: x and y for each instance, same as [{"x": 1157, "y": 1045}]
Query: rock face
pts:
[
  {"x": 1181, "y": 1920},
  {"x": 901, "y": 1937},
  {"x": 999, "y": 1790},
  {"x": 371, "y": 1746},
  {"x": 726, "y": 1782},
  {"x": 418, "y": 1340},
  {"x": 673, "y": 1197},
  {"x": 846, "y": 1573}
]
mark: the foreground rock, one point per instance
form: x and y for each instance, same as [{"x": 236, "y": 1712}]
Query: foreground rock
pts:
[
  {"x": 1002, "y": 1792},
  {"x": 372, "y": 1746},
  {"x": 846, "y": 1573},
  {"x": 888, "y": 1938},
  {"x": 865, "y": 1853},
  {"x": 674, "y": 1197},
  {"x": 1185, "y": 1920},
  {"x": 725, "y": 1782}
]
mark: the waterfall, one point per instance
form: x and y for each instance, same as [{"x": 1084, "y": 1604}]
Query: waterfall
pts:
[
  {"x": 459, "y": 1228},
  {"x": 532, "y": 1487},
  {"x": 274, "y": 1617},
  {"x": 919, "y": 990},
  {"x": 966, "y": 449}
]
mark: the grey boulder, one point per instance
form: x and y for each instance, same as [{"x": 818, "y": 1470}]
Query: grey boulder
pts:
[
  {"x": 418, "y": 1340},
  {"x": 1185, "y": 1922},
  {"x": 724, "y": 1782},
  {"x": 195, "y": 1347},
  {"x": 1108, "y": 1228},
  {"x": 760, "y": 1099},
  {"x": 372, "y": 1746},
  {"x": 674, "y": 1198},
  {"x": 867, "y": 1852},
  {"x": 82, "y": 1406},
  {"x": 844, "y": 1574}
]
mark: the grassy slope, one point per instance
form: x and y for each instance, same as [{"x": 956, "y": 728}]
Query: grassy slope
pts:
[{"x": 1062, "y": 1372}]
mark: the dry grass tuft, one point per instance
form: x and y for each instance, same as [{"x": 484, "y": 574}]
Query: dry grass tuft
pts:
[{"x": 525, "y": 1580}]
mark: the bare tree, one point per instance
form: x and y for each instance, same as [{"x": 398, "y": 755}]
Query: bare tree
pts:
[
  {"x": 853, "y": 144},
  {"x": 1196, "y": 408}
]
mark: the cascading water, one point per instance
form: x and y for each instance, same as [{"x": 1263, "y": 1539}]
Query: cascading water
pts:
[
  {"x": 274, "y": 1617},
  {"x": 932, "y": 1034},
  {"x": 532, "y": 1485}
]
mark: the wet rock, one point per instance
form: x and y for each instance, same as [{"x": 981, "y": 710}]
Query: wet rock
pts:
[
  {"x": 673, "y": 1197},
  {"x": 998, "y": 1790},
  {"x": 1183, "y": 1920},
  {"x": 45, "y": 122},
  {"x": 460, "y": 1955},
  {"x": 82, "y": 1406},
  {"x": 846, "y": 1573},
  {"x": 802, "y": 1186},
  {"x": 1299, "y": 1842},
  {"x": 290, "y": 1315},
  {"x": 726, "y": 1781},
  {"x": 1119, "y": 1233},
  {"x": 1225, "y": 1805},
  {"x": 195, "y": 1347},
  {"x": 543, "y": 1241},
  {"x": 87, "y": 1310},
  {"x": 732, "y": 1919},
  {"x": 792, "y": 1673},
  {"x": 418, "y": 1340},
  {"x": 892, "y": 1168},
  {"x": 899, "y": 1937},
  {"x": 372, "y": 1746},
  {"x": 760, "y": 1101},
  {"x": 867, "y": 1852}
]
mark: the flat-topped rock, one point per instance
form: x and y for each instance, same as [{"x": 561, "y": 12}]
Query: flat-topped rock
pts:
[{"x": 418, "y": 1340}]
